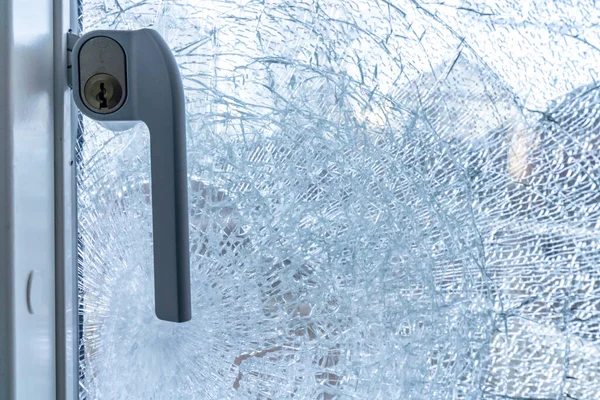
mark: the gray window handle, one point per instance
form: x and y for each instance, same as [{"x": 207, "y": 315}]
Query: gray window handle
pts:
[{"x": 132, "y": 76}]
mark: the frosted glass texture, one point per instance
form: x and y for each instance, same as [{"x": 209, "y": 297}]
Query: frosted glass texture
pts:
[{"x": 389, "y": 199}]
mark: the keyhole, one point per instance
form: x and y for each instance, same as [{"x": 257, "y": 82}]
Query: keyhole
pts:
[
  {"x": 103, "y": 93},
  {"x": 101, "y": 98}
]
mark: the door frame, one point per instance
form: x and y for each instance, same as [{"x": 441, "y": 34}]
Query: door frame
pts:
[
  {"x": 38, "y": 297},
  {"x": 66, "y": 133}
]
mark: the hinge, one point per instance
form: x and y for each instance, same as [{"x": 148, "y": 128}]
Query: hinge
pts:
[{"x": 71, "y": 40}]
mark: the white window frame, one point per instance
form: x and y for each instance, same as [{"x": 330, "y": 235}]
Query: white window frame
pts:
[{"x": 38, "y": 292}]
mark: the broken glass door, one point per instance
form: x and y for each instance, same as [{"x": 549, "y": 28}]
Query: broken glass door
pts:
[{"x": 388, "y": 199}]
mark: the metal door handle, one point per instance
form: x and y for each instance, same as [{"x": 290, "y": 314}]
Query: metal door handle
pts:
[{"x": 132, "y": 76}]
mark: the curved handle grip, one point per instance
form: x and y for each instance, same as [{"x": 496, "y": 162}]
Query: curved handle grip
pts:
[{"x": 153, "y": 94}]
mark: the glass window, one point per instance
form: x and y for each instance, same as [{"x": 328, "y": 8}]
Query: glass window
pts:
[{"x": 388, "y": 200}]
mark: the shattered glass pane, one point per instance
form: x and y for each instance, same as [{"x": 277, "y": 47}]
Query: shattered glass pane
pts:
[{"x": 389, "y": 199}]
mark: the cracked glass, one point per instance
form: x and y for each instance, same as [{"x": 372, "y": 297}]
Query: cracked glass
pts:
[{"x": 389, "y": 199}]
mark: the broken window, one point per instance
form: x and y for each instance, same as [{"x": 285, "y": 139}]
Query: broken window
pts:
[{"x": 388, "y": 199}]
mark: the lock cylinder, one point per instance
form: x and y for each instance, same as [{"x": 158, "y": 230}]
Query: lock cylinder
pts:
[
  {"x": 102, "y": 75},
  {"x": 102, "y": 93}
]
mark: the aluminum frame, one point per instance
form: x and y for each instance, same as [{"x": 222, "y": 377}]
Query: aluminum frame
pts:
[
  {"x": 38, "y": 308},
  {"x": 66, "y": 126}
]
